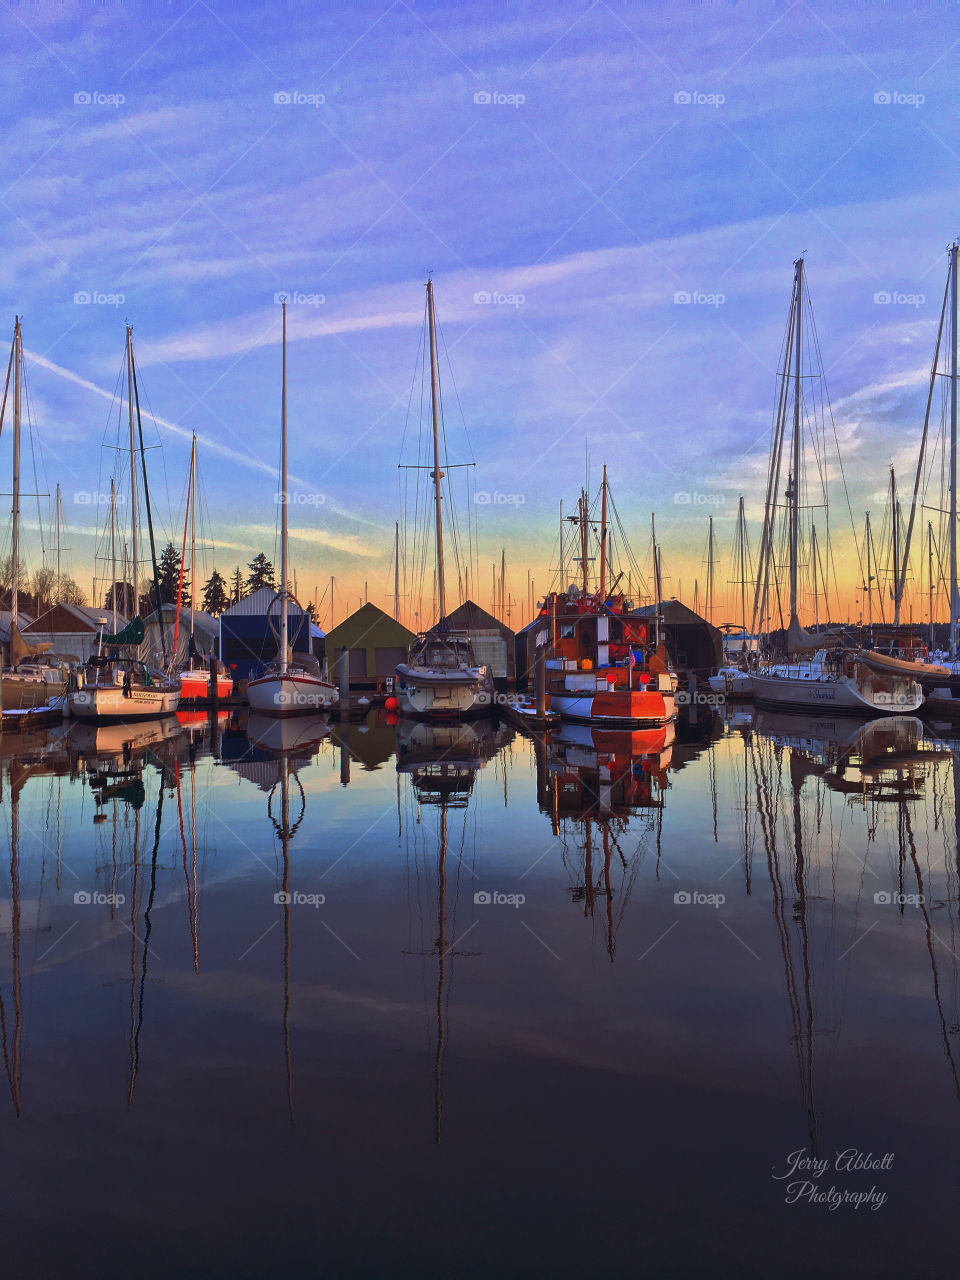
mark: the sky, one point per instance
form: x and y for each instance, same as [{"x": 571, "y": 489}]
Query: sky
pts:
[{"x": 609, "y": 198}]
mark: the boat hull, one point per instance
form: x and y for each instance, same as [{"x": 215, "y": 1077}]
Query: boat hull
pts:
[
  {"x": 196, "y": 684},
  {"x": 619, "y": 707},
  {"x": 430, "y": 694},
  {"x": 102, "y": 702},
  {"x": 289, "y": 695},
  {"x": 843, "y": 695}
]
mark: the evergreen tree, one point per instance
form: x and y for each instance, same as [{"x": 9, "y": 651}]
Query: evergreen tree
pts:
[
  {"x": 261, "y": 574},
  {"x": 215, "y": 598},
  {"x": 236, "y": 586},
  {"x": 123, "y": 591}
]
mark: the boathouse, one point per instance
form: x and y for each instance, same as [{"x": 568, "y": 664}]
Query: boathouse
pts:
[
  {"x": 493, "y": 642},
  {"x": 71, "y": 630},
  {"x": 248, "y": 637},
  {"x": 375, "y": 643}
]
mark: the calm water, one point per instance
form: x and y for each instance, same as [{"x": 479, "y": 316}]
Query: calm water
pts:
[{"x": 314, "y": 1001}]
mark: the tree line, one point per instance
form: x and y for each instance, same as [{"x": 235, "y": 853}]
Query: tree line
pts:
[{"x": 215, "y": 596}]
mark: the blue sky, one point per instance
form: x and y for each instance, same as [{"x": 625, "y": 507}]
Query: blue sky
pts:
[{"x": 148, "y": 156}]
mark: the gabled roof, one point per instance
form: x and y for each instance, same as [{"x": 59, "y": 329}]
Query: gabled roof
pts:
[
  {"x": 256, "y": 605},
  {"x": 78, "y": 618},
  {"x": 368, "y": 621},
  {"x": 470, "y": 617},
  {"x": 205, "y": 621},
  {"x": 674, "y": 613}
]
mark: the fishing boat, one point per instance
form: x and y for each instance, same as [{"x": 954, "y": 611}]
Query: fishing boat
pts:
[
  {"x": 820, "y": 671},
  {"x": 607, "y": 664},
  {"x": 441, "y": 677},
  {"x": 292, "y": 684},
  {"x": 195, "y": 674},
  {"x": 116, "y": 683}
]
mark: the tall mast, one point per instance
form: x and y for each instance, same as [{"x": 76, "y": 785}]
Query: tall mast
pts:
[
  {"x": 437, "y": 474},
  {"x": 813, "y": 558},
  {"x": 603, "y": 536},
  {"x": 396, "y": 573},
  {"x": 710, "y": 573},
  {"x": 193, "y": 529},
  {"x": 283, "y": 509},
  {"x": 113, "y": 551},
  {"x": 57, "y": 596},
  {"x": 15, "y": 538},
  {"x": 563, "y": 565},
  {"x": 869, "y": 541},
  {"x": 930, "y": 575},
  {"x": 741, "y": 534},
  {"x": 895, "y": 541},
  {"x": 583, "y": 541},
  {"x": 795, "y": 478},
  {"x": 133, "y": 477},
  {"x": 331, "y": 601},
  {"x": 954, "y": 593}
]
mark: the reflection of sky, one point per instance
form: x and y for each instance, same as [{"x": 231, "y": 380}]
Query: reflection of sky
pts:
[
  {"x": 597, "y": 199},
  {"x": 671, "y": 1063}
]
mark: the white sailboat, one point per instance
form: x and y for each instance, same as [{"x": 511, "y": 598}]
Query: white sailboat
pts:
[
  {"x": 116, "y": 684},
  {"x": 293, "y": 683},
  {"x": 441, "y": 677},
  {"x": 835, "y": 679}
]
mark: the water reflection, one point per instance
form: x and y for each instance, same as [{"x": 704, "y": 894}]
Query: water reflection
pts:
[{"x": 825, "y": 992}]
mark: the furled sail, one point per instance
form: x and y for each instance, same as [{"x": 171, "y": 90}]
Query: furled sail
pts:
[
  {"x": 20, "y": 648},
  {"x": 132, "y": 633}
]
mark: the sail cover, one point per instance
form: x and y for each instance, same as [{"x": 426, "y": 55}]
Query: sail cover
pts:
[{"x": 132, "y": 633}]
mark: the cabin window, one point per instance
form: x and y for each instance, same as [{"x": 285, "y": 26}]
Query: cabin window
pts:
[{"x": 568, "y": 631}]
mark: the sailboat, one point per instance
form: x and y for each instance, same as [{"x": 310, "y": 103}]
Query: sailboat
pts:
[
  {"x": 25, "y": 683},
  {"x": 116, "y": 684},
  {"x": 195, "y": 674},
  {"x": 441, "y": 677},
  {"x": 292, "y": 684},
  {"x": 838, "y": 679},
  {"x": 739, "y": 646}
]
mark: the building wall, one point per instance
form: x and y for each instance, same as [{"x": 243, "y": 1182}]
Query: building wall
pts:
[{"x": 247, "y": 641}]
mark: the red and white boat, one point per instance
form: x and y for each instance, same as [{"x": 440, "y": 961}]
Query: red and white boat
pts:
[{"x": 606, "y": 662}]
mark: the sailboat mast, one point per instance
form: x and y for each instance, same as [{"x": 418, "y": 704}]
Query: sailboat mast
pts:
[
  {"x": 193, "y": 530},
  {"x": 895, "y": 539},
  {"x": 710, "y": 573},
  {"x": 133, "y": 477},
  {"x": 795, "y": 478},
  {"x": 396, "y": 573},
  {"x": 113, "y": 551},
  {"x": 436, "y": 474},
  {"x": 813, "y": 558},
  {"x": 603, "y": 536},
  {"x": 57, "y": 597},
  {"x": 954, "y": 593},
  {"x": 15, "y": 537},
  {"x": 284, "y": 631},
  {"x": 930, "y": 575},
  {"x": 869, "y": 541},
  {"x": 741, "y": 534},
  {"x": 584, "y": 549}
]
